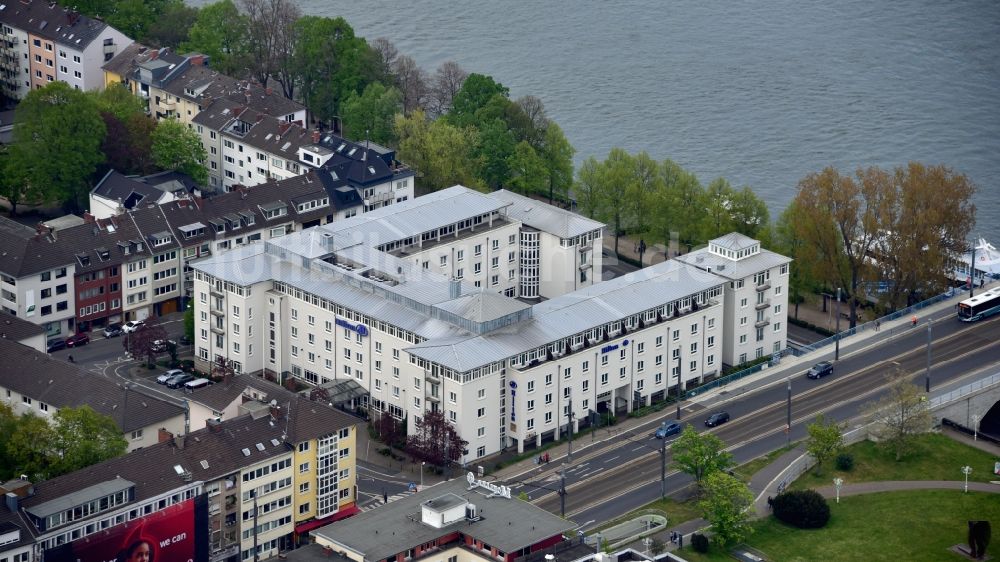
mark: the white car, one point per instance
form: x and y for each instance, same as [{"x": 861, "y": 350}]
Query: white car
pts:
[
  {"x": 132, "y": 326},
  {"x": 162, "y": 379}
]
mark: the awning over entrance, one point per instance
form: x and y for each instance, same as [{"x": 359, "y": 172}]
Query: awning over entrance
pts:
[{"x": 344, "y": 513}]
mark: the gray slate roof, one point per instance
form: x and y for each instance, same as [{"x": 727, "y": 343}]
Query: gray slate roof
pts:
[
  {"x": 734, "y": 269},
  {"x": 14, "y": 329},
  {"x": 545, "y": 217},
  {"x": 61, "y": 384},
  {"x": 506, "y": 524},
  {"x": 52, "y": 21}
]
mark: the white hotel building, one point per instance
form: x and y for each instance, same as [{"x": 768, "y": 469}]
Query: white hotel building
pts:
[{"x": 343, "y": 301}]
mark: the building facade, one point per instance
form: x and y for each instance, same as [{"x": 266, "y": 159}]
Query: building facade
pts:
[{"x": 756, "y": 295}]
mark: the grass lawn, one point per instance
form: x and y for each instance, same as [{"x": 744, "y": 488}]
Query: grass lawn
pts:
[
  {"x": 933, "y": 457},
  {"x": 746, "y": 471},
  {"x": 913, "y": 526}
]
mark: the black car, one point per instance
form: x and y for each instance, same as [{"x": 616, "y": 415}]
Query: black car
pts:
[
  {"x": 820, "y": 370},
  {"x": 717, "y": 418},
  {"x": 56, "y": 344},
  {"x": 178, "y": 380}
]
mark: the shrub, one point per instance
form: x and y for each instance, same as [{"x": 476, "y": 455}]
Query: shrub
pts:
[
  {"x": 805, "y": 509},
  {"x": 699, "y": 543},
  {"x": 845, "y": 462}
]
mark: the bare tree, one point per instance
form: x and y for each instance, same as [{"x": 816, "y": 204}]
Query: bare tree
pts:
[
  {"x": 448, "y": 81},
  {"x": 899, "y": 415},
  {"x": 412, "y": 82},
  {"x": 271, "y": 35},
  {"x": 140, "y": 343},
  {"x": 535, "y": 110},
  {"x": 386, "y": 55}
]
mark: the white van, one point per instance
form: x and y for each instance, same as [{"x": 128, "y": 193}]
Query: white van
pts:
[{"x": 196, "y": 384}]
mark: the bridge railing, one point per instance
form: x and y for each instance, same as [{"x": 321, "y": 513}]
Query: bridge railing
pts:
[{"x": 964, "y": 391}]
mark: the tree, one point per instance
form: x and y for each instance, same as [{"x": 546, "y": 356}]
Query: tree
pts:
[
  {"x": 719, "y": 203},
  {"x": 840, "y": 224},
  {"x": 679, "y": 207},
  {"x": 328, "y": 64},
  {"x": 440, "y": 152},
  {"x": 189, "y": 321},
  {"x": 28, "y": 445},
  {"x": 390, "y": 431},
  {"x": 140, "y": 342},
  {"x": 448, "y": 80},
  {"x": 616, "y": 177},
  {"x": 527, "y": 170},
  {"x": 557, "y": 155},
  {"x": 412, "y": 83},
  {"x": 646, "y": 182},
  {"x": 57, "y": 144},
  {"x": 900, "y": 415},
  {"x": 8, "y": 424},
  {"x": 117, "y": 100},
  {"x": 83, "y": 437},
  {"x": 726, "y": 505},
  {"x": 176, "y": 147},
  {"x": 271, "y": 33},
  {"x": 13, "y": 188},
  {"x": 477, "y": 91},
  {"x": 496, "y": 145},
  {"x": 384, "y": 55},
  {"x": 436, "y": 441},
  {"x": 173, "y": 26},
  {"x": 825, "y": 440},
  {"x": 700, "y": 454},
  {"x": 805, "y": 509},
  {"x": 371, "y": 115},
  {"x": 789, "y": 243},
  {"x": 127, "y": 145},
  {"x": 749, "y": 215},
  {"x": 220, "y": 32},
  {"x": 587, "y": 187}
]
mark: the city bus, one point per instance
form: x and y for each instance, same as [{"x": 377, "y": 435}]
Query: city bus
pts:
[{"x": 979, "y": 307}]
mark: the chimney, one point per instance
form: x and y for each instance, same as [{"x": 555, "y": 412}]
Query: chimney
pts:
[
  {"x": 164, "y": 435},
  {"x": 87, "y": 217},
  {"x": 276, "y": 413},
  {"x": 179, "y": 441},
  {"x": 214, "y": 425},
  {"x": 197, "y": 60},
  {"x": 315, "y": 136},
  {"x": 182, "y": 203},
  {"x": 455, "y": 288}
]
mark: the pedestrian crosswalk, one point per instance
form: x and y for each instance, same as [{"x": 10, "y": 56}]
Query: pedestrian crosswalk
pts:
[{"x": 378, "y": 500}]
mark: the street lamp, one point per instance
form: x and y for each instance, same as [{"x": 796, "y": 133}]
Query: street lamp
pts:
[
  {"x": 788, "y": 415},
  {"x": 927, "y": 380},
  {"x": 836, "y": 348},
  {"x": 975, "y": 427},
  {"x": 422, "y": 463},
  {"x": 837, "y": 483},
  {"x": 966, "y": 470}
]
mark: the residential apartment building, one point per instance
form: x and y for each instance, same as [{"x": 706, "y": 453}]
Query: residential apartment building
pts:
[
  {"x": 180, "y": 86},
  {"x": 756, "y": 295},
  {"x": 36, "y": 278},
  {"x": 200, "y": 496},
  {"x": 14, "y": 329},
  {"x": 139, "y": 415},
  {"x": 43, "y": 42},
  {"x": 117, "y": 193},
  {"x": 352, "y": 301}
]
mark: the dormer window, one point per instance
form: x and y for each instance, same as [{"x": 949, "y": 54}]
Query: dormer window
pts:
[
  {"x": 161, "y": 239},
  {"x": 84, "y": 259}
]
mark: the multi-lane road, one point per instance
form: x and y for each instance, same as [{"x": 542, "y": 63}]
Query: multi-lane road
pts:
[{"x": 610, "y": 480}]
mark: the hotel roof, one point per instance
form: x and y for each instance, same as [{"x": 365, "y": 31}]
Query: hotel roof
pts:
[{"x": 545, "y": 217}]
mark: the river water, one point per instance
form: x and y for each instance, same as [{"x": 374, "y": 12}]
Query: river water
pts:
[{"x": 759, "y": 92}]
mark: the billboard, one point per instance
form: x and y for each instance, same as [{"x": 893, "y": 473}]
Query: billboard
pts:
[{"x": 175, "y": 534}]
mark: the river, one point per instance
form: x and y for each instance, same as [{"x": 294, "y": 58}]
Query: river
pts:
[{"x": 759, "y": 92}]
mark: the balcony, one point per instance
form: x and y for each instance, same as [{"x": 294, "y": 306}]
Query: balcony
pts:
[
  {"x": 379, "y": 197},
  {"x": 431, "y": 375},
  {"x": 763, "y": 304},
  {"x": 167, "y": 104},
  {"x": 762, "y": 323},
  {"x": 218, "y": 331},
  {"x": 217, "y": 312},
  {"x": 764, "y": 286}
]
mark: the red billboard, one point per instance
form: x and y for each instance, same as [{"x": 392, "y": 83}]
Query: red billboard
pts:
[{"x": 168, "y": 535}]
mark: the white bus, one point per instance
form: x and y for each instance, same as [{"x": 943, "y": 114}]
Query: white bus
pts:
[{"x": 979, "y": 307}]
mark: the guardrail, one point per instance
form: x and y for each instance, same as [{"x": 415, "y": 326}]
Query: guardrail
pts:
[
  {"x": 806, "y": 461},
  {"x": 963, "y": 391}
]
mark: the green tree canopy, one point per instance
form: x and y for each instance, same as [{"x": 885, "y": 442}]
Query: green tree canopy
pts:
[
  {"x": 825, "y": 440},
  {"x": 557, "y": 155},
  {"x": 329, "y": 65},
  {"x": 527, "y": 170},
  {"x": 700, "y": 454},
  {"x": 117, "y": 100},
  {"x": 176, "y": 147},
  {"x": 440, "y": 152},
  {"x": 726, "y": 505},
  {"x": 28, "y": 447},
  {"x": 219, "y": 31},
  {"x": 679, "y": 208},
  {"x": 476, "y": 92},
  {"x": 371, "y": 115},
  {"x": 587, "y": 187},
  {"x": 57, "y": 144},
  {"x": 171, "y": 28},
  {"x": 82, "y": 438}
]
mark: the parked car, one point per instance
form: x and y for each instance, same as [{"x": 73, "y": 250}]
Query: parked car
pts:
[
  {"x": 77, "y": 340},
  {"x": 196, "y": 384},
  {"x": 667, "y": 429},
  {"x": 56, "y": 344},
  {"x": 178, "y": 380},
  {"x": 132, "y": 326},
  {"x": 184, "y": 340},
  {"x": 160, "y": 346},
  {"x": 717, "y": 418},
  {"x": 113, "y": 330},
  {"x": 820, "y": 370},
  {"x": 162, "y": 379}
]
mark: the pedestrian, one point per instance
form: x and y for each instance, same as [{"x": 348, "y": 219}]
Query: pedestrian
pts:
[
  {"x": 914, "y": 319},
  {"x": 71, "y": 359},
  {"x": 878, "y": 325},
  {"x": 385, "y": 496},
  {"x": 770, "y": 503}
]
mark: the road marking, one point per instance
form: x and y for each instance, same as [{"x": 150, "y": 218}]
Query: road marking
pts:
[
  {"x": 611, "y": 459},
  {"x": 640, "y": 447}
]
